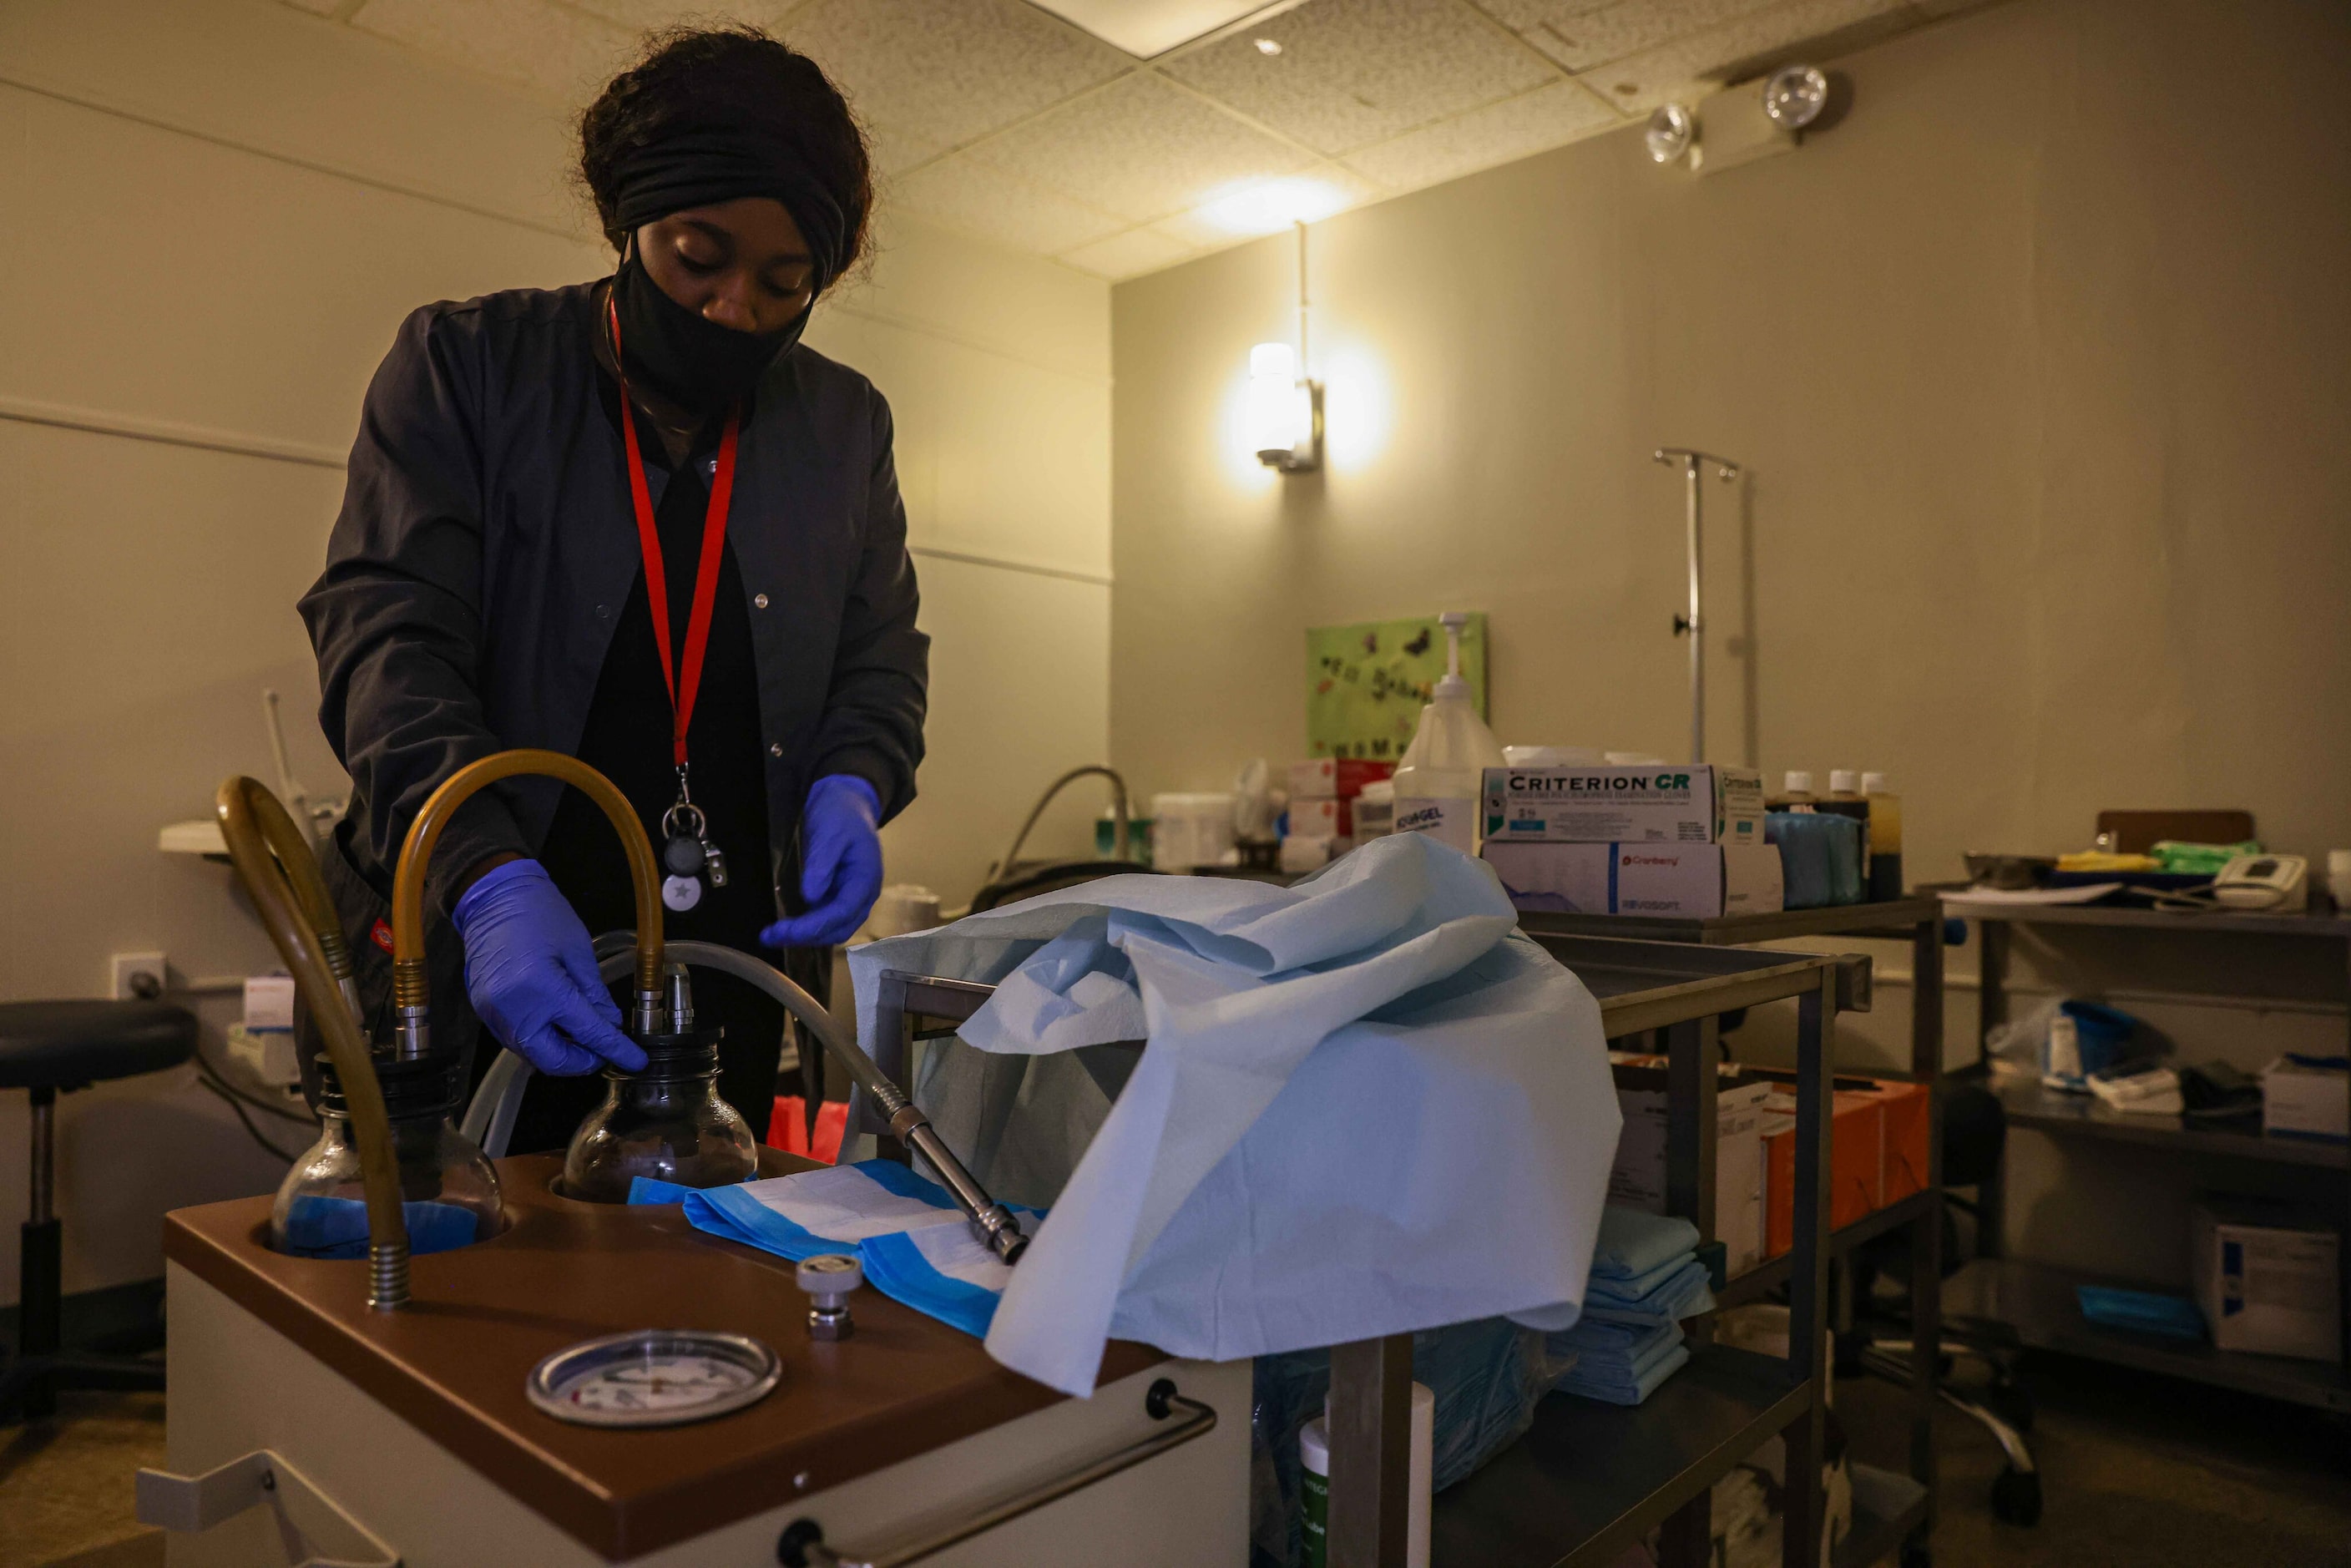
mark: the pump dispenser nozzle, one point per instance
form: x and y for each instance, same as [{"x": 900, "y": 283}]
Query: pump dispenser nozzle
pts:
[{"x": 1451, "y": 683}]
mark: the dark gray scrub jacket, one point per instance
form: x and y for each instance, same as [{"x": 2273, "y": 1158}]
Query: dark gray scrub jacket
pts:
[{"x": 487, "y": 546}]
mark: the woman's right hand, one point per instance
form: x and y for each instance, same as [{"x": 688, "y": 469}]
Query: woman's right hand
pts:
[{"x": 530, "y": 971}]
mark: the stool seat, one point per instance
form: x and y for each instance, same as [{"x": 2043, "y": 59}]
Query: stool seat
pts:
[{"x": 66, "y": 1044}]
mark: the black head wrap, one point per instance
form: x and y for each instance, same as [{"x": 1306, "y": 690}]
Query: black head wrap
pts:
[{"x": 702, "y": 167}]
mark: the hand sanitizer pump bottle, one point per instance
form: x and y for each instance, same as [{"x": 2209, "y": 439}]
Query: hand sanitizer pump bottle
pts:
[{"x": 1442, "y": 778}]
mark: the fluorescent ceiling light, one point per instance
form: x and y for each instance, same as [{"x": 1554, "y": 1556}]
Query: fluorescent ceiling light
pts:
[
  {"x": 1147, "y": 27},
  {"x": 1263, "y": 206}
]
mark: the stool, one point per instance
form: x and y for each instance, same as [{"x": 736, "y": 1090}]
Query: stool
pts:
[{"x": 46, "y": 1047}]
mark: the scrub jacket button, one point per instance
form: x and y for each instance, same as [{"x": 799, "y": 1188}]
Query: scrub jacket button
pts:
[
  {"x": 760, "y": 599},
  {"x": 775, "y": 748},
  {"x": 603, "y": 611}
]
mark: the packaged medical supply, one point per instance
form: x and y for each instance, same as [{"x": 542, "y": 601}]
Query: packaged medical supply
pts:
[
  {"x": 2266, "y": 1277},
  {"x": 1334, "y": 778},
  {"x": 1323, "y": 818},
  {"x": 2085, "y": 1038},
  {"x": 1438, "y": 783},
  {"x": 2136, "y": 1091},
  {"x": 1877, "y": 1152},
  {"x": 1698, "y": 881},
  {"x": 1374, "y": 810},
  {"x": 1820, "y": 857},
  {"x": 269, "y": 1002},
  {"x": 1885, "y": 838},
  {"x": 2307, "y": 1097},
  {"x": 1632, "y": 759},
  {"x": 1301, "y": 854},
  {"x": 1645, "y": 1271},
  {"x": 2141, "y": 1311},
  {"x": 1703, "y": 804},
  {"x": 1638, "y": 1180},
  {"x": 1193, "y": 830}
]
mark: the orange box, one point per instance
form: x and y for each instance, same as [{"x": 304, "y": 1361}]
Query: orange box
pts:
[
  {"x": 1856, "y": 1164},
  {"x": 1908, "y": 1107}
]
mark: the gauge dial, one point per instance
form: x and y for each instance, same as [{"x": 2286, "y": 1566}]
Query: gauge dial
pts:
[{"x": 654, "y": 1377}]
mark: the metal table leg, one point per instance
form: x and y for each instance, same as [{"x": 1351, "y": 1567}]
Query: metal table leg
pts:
[{"x": 1808, "y": 1284}]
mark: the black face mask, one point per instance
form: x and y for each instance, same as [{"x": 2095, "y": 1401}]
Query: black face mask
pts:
[{"x": 696, "y": 363}]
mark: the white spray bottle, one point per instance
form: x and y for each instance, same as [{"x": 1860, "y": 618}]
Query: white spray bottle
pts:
[{"x": 1442, "y": 778}]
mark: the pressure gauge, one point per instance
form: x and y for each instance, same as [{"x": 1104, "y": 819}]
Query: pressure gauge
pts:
[
  {"x": 1794, "y": 96},
  {"x": 654, "y": 1377}
]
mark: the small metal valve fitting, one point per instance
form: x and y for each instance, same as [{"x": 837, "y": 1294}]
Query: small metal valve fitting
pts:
[{"x": 829, "y": 1279}]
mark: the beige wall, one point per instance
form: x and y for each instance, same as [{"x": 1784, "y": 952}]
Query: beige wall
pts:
[
  {"x": 217, "y": 213},
  {"x": 2037, "y": 364}
]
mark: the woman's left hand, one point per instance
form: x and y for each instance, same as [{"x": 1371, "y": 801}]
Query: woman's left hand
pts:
[{"x": 842, "y": 875}]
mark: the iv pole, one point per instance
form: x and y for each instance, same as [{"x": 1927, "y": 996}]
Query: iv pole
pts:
[{"x": 1692, "y": 460}]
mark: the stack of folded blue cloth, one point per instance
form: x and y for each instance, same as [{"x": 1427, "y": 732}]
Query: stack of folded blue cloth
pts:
[
  {"x": 1619, "y": 1364},
  {"x": 1646, "y": 1279}
]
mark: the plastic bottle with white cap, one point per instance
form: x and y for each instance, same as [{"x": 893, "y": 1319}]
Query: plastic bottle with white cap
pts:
[
  {"x": 1797, "y": 795},
  {"x": 1442, "y": 778}
]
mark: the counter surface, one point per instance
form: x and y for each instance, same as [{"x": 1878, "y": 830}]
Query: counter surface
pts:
[{"x": 454, "y": 1363}]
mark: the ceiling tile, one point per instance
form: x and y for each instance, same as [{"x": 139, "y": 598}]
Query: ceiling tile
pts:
[
  {"x": 562, "y": 54},
  {"x": 1141, "y": 149},
  {"x": 1352, "y": 72},
  {"x": 979, "y": 199},
  {"x": 1521, "y": 14},
  {"x": 1313, "y": 194},
  {"x": 317, "y": 7},
  {"x": 1580, "y": 38},
  {"x": 932, "y": 75},
  {"x": 1124, "y": 256},
  {"x": 1531, "y": 123},
  {"x": 1646, "y": 80}
]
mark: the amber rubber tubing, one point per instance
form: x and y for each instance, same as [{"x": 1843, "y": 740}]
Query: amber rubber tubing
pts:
[
  {"x": 300, "y": 862},
  {"x": 409, "y": 987},
  {"x": 272, "y": 876}
]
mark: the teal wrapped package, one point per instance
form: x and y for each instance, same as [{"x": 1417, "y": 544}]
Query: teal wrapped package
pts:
[{"x": 1820, "y": 857}]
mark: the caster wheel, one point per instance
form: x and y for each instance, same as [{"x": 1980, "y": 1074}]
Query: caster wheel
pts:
[
  {"x": 2016, "y": 1498},
  {"x": 2013, "y": 1403}
]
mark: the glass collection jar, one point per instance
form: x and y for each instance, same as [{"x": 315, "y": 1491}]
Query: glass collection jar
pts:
[
  {"x": 665, "y": 1122},
  {"x": 449, "y": 1193}
]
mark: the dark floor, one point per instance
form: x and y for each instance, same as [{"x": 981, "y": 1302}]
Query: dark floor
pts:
[{"x": 2138, "y": 1473}]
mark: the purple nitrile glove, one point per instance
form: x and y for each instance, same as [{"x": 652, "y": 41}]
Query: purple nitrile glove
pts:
[
  {"x": 842, "y": 874},
  {"x": 531, "y": 973}
]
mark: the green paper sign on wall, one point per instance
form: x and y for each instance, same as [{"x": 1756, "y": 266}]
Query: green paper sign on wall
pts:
[{"x": 1366, "y": 685}]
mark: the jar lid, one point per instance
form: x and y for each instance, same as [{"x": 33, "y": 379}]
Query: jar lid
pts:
[
  {"x": 689, "y": 1055},
  {"x": 432, "y": 1086}
]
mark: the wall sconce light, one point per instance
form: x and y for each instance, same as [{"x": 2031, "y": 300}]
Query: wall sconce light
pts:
[{"x": 1285, "y": 405}]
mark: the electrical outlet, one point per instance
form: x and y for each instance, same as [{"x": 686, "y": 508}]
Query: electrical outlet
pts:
[{"x": 139, "y": 976}]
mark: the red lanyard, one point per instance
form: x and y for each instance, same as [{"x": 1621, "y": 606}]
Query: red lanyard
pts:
[{"x": 685, "y": 684}]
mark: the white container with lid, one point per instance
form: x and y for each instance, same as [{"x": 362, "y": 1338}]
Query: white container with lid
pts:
[
  {"x": 1875, "y": 784},
  {"x": 1441, "y": 782},
  {"x": 1193, "y": 829},
  {"x": 1845, "y": 781}
]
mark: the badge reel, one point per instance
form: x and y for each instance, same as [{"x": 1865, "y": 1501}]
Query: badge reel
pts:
[{"x": 688, "y": 855}]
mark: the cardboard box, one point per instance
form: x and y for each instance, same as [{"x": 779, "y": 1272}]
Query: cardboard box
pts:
[
  {"x": 1698, "y": 804},
  {"x": 1856, "y": 1162},
  {"x": 2266, "y": 1277},
  {"x": 1702, "y": 881},
  {"x": 2303, "y": 1098},
  {"x": 1638, "y": 1178},
  {"x": 1334, "y": 778},
  {"x": 1908, "y": 1110},
  {"x": 1321, "y": 819}
]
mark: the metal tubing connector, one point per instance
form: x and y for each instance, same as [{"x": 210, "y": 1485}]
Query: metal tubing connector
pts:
[
  {"x": 388, "y": 1275},
  {"x": 413, "y": 1036}
]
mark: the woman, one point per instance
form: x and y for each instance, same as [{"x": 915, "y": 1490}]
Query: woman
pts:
[{"x": 635, "y": 521}]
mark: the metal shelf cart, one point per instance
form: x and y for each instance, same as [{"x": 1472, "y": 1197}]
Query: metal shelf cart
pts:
[
  {"x": 2038, "y": 1300},
  {"x": 1590, "y": 1479}
]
